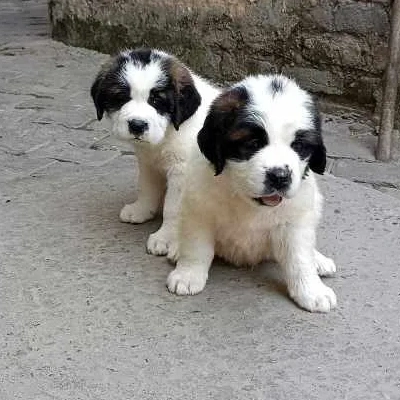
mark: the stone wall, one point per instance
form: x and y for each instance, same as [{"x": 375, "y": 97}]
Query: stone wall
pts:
[{"x": 336, "y": 48}]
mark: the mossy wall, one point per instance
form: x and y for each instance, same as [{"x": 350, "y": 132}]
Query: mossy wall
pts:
[{"x": 335, "y": 48}]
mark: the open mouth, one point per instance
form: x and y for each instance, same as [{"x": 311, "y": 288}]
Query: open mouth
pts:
[{"x": 271, "y": 200}]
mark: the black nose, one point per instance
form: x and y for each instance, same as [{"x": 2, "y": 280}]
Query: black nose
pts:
[
  {"x": 137, "y": 126},
  {"x": 279, "y": 178}
]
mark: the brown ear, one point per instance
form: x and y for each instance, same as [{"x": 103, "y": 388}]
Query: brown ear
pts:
[
  {"x": 231, "y": 100},
  {"x": 186, "y": 97}
]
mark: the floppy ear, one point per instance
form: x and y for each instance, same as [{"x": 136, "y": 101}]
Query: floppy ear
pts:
[
  {"x": 95, "y": 92},
  {"x": 209, "y": 141},
  {"x": 220, "y": 119},
  {"x": 186, "y": 97},
  {"x": 317, "y": 161}
]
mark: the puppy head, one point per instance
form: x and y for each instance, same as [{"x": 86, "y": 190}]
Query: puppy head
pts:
[
  {"x": 143, "y": 91},
  {"x": 264, "y": 133}
]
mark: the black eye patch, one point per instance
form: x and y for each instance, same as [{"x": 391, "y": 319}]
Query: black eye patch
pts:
[
  {"x": 304, "y": 143},
  {"x": 113, "y": 92},
  {"x": 161, "y": 100},
  {"x": 242, "y": 143},
  {"x": 116, "y": 97}
]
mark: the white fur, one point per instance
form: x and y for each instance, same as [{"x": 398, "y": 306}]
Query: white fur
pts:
[
  {"x": 141, "y": 80},
  {"x": 161, "y": 152},
  {"x": 220, "y": 217}
]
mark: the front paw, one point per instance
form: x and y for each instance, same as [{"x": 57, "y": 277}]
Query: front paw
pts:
[
  {"x": 325, "y": 265},
  {"x": 313, "y": 295},
  {"x": 160, "y": 242},
  {"x": 186, "y": 281},
  {"x": 136, "y": 213}
]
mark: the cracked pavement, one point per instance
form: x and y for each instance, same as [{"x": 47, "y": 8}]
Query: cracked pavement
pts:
[{"x": 84, "y": 313}]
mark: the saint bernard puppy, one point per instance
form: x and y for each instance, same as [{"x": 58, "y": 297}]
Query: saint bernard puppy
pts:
[
  {"x": 159, "y": 105},
  {"x": 251, "y": 194}
]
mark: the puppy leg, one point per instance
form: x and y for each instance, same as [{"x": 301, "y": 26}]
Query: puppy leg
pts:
[
  {"x": 196, "y": 249},
  {"x": 325, "y": 266},
  {"x": 294, "y": 250},
  {"x": 164, "y": 241},
  {"x": 151, "y": 188}
]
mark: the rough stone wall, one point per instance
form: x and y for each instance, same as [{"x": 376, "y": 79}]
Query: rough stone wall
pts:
[{"x": 336, "y": 48}]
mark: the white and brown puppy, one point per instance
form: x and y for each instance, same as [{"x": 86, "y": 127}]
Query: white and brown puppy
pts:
[
  {"x": 251, "y": 194},
  {"x": 158, "y": 104}
]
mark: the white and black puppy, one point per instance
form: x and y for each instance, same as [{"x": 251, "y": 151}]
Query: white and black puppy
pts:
[
  {"x": 149, "y": 96},
  {"x": 251, "y": 194}
]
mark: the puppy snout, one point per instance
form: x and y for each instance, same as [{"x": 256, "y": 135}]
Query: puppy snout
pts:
[
  {"x": 279, "y": 178},
  {"x": 137, "y": 126}
]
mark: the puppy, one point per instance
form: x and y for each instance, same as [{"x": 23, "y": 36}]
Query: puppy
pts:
[
  {"x": 159, "y": 105},
  {"x": 251, "y": 194}
]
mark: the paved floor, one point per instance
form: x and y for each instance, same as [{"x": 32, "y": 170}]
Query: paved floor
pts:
[{"x": 84, "y": 313}]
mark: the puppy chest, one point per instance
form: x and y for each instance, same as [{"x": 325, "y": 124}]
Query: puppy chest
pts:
[
  {"x": 243, "y": 243},
  {"x": 163, "y": 158}
]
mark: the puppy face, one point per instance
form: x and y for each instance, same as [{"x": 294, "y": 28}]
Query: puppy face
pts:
[
  {"x": 143, "y": 91},
  {"x": 264, "y": 133}
]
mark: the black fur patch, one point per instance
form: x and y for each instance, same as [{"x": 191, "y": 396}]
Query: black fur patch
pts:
[
  {"x": 141, "y": 56},
  {"x": 276, "y": 85},
  {"x": 187, "y": 101},
  {"x": 109, "y": 90},
  {"x": 162, "y": 99},
  {"x": 228, "y": 133},
  {"x": 181, "y": 91},
  {"x": 309, "y": 143},
  {"x": 253, "y": 139},
  {"x": 304, "y": 143}
]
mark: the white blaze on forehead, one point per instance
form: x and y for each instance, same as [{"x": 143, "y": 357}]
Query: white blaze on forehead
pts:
[
  {"x": 143, "y": 78},
  {"x": 282, "y": 111}
]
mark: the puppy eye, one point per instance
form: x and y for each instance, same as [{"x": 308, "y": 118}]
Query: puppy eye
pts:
[
  {"x": 162, "y": 95},
  {"x": 297, "y": 146},
  {"x": 302, "y": 148},
  {"x": 120, "y": 100},
  {"x": 157, "y": 97},
  {"x": 253, "y": 144},
  {"x": 116, "y": 98}
]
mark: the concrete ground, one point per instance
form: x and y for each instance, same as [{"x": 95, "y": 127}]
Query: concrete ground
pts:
[{"x": 84, "y": 313}]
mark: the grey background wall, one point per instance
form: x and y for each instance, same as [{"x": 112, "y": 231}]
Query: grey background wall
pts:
[{"x": 336, "y": 48}]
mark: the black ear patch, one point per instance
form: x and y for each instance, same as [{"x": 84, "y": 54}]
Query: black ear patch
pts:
[
  {"x": 220, "y": 119},
  {"x": 309, "y": 143},
  {"x": 186, "y": 98},
  {"x": 95, "y": 92},
  {"x": 209, "y": 142},
  {"x": 317, "y": 161}
]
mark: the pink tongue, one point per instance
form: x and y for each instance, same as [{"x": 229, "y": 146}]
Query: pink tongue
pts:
[{"x": 271, "y": 201}]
